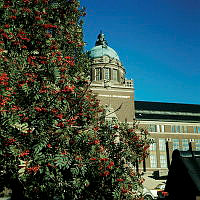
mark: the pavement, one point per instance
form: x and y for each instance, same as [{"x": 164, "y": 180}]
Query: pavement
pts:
[{"x": 151, "y": 181}]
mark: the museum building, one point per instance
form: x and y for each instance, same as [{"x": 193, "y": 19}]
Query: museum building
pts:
[{"x": 171, "y": 125}]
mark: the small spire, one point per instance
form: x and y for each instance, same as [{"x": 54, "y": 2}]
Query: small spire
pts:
[{"x": 101, "y": 40}]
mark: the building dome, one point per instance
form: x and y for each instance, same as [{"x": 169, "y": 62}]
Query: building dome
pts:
[{"x": 102, "y": 49}]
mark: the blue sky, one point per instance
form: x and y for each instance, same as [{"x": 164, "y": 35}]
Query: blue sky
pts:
[{"x": 158, "y": 42}]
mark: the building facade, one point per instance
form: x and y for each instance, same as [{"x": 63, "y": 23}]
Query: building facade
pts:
[
  {"x": 171, "y": 125},
  {"x": 109, "y": 83}
]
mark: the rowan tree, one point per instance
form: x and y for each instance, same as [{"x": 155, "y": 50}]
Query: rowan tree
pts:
[{"x": 55, "y": 142}]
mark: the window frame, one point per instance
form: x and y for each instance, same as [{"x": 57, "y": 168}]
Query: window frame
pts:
[
  {"x": 153, "y": 147},
  {"x": 152, "y": 128},
  {"x": 153, "y": 161},
  {"x": 174, "y": 144},
  {"x": 163, "y": 161},
  {"x": 162, "y": 145},
  {"x": 97, "y": 74},
  {"x": 115, "y": 75},
  {"x": 107, "y": 75},
  {"x": 185, "y": 144},
  {"x": 197, "y": 144}
]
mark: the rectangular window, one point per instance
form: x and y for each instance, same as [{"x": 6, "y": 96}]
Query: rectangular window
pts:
[
  {"x": 196, "y": 129},
  {"x": 152, "y": 128},
  {"x": 162, "y": 144},
  {"x": 98, "y": 74},
  {"x": 185, "y": 144},
  {"x": 153, "y": 161},
  {"x": 197, "y": 144},
  {"x": 175, "y": 144},
  {"x": 181, "y": 129},
  {"x": 107, "y": 74},
  {"x": 178, "y": 129},
  {"x": 153, "y": 147},
  {"x": 115, "y": 77},
  {"x": 185, "y": 129},
  {"x": 173, "y": 129},
  {"x": 163, "y": 161}
]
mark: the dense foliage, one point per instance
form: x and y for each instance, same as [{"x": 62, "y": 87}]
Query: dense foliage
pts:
[{"x": 54, "y": 141}]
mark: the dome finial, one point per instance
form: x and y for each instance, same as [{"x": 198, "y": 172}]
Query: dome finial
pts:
[{"x": 101, "y": 40}]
